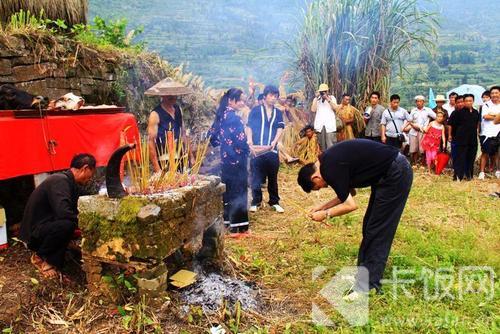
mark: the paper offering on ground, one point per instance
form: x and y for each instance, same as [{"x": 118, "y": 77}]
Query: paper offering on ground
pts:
[{"x": 183, "y": 278}]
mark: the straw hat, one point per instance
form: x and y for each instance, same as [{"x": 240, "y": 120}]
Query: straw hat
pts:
[
  {"x": 419, "y": 98},
  {"x": 323, "y": 88},
  {"x": 168, "y": 87},
  {"x": 440, "y": 98}
]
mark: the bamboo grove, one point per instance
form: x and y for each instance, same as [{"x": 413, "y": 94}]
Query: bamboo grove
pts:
[{"x": 353, "y": 44}]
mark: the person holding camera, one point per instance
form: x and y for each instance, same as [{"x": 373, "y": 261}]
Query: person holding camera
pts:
[
  {"x": 325, "y": 123},
  {"x": 392, "y": 123},
  {"x": 373, "y": 116}
]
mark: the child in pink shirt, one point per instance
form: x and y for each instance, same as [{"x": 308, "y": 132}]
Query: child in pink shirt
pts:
[{"x": 434, "y": 134}]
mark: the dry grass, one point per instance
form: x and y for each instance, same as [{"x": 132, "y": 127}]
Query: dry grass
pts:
[
  {"x": 71, "y": 11},
  {"x": 445, "y": 224}
]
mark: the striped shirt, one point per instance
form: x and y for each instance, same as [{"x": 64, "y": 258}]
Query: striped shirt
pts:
[{"x": 264, "y": 129}]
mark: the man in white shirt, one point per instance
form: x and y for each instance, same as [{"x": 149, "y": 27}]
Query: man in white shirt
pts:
[
  {"x": 419, "y": 119},
  {"x": 450, "y": 106},
  {"x": 488, "y": 136},
  {"x": 324, "y": 105}
]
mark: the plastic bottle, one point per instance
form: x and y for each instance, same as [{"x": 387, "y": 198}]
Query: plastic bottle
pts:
[{"x": 3, "y": 229}]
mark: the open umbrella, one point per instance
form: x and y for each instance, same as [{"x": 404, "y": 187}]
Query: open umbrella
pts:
[{"x": 475, "y": 90}]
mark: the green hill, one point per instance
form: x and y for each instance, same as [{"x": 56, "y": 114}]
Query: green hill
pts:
[{"x": 228, "y": 41}]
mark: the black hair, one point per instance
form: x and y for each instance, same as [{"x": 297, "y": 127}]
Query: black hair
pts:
[
  {"x": 375, "y": 93},
  {"x": 83, "y": 159},
  {"x": 308, "y": 127},
  {"x": 304, "y": 178},
  {"x": 486, "y": 93},
  {"x": 346, "y": 94},
  {"x": 260, "y": 97},
  {"x": 452, "y": 94},
  {"x": 270, "y": 89},
  {"x": 302, "y": 132},
  {"x": 469, "y": 95},
  {"x": 494, "y": 88},
  {"x": 395, "y": 97},
  {"x": 231, "y": 94},
  {"x": 459, "y": 97}
]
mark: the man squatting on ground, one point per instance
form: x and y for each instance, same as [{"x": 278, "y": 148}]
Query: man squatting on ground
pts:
[
  {"x": 388, "y": 173},
  {"x": 51, "y": 215}
]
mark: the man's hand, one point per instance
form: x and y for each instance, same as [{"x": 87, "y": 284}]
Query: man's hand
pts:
[
  {"x": 251, "y": 86},
  {"x": 316, "y": 209},
  {"x": 318, "y": 215},
  {"x": 383, "y": 139}
]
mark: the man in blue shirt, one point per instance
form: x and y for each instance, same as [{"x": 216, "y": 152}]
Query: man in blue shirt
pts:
[{"x": 264, "y": 129}]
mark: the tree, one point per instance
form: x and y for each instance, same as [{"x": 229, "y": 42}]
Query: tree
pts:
[{"x": 352, "y": 44}]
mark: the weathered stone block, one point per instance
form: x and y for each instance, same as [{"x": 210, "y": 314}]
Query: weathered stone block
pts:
[
  {"x": 150, "y": 227},
  {"x": 5, "y": 67},
  {"x": 33, "y": 72},
  {"x": 7, "y": 79}
]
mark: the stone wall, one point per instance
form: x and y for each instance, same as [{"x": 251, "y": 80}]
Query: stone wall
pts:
[
  {"x": 51, "y": 76},
  {"x": 143, "y": 231}
]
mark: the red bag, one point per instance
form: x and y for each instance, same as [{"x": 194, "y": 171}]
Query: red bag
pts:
[{"x": 441, "y": 161}]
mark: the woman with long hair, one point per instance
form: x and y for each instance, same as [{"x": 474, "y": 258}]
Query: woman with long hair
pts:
[{"x": 228, "y": 131}]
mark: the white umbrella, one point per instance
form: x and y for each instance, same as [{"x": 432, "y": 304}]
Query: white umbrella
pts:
[{"x": 476, "y": 90}]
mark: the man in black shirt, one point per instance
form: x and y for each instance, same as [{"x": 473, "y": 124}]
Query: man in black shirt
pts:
[
  {"x": 356, "y": 164},
  {"x": 463, "y": 132},
  {"x": 51, "y": 215}
]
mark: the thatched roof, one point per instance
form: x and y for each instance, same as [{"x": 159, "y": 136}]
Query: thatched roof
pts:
[{"x": 71, "y": 11}]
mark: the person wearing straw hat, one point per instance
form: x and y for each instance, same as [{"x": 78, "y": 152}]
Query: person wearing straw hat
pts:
[
  {"x": 324, "y": 105},
  {"x": 167, "y": 116},
  {"x": 440, "y": 101},
  {"x": 419, "y": 119}
]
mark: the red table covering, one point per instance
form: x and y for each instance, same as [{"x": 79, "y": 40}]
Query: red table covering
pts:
[{"x": 25, "y": 142}]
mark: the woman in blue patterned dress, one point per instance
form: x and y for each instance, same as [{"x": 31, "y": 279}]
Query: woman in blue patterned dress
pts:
[{"x": 228, "y": 131}]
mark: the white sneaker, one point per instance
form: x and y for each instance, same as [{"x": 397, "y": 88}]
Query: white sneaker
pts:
[
  {"x": 278, "y": 208},
  {"x": 481, "y": 176},
  {"x": 497, "y": 174},
  {"x": 253, "y": 208}
]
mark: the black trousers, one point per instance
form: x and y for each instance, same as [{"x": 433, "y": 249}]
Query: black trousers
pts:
[
  {"x": 265, "y": 166},
  {"x": 387, "y": 202},
  {"x": 463, "y": 162},
  {"x": 51, "y": 239},
  {"x": 235, "y": 177},
  {"x": 393, "y": 142}
]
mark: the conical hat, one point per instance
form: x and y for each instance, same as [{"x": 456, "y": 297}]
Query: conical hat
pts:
[{"x": 168, "y": 87}]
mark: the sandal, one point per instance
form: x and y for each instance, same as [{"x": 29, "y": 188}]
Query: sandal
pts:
[{"x": 36, "y": 260}]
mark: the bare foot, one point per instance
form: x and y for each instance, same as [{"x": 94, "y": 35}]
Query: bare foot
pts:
[{"x": 46, "y": 270}]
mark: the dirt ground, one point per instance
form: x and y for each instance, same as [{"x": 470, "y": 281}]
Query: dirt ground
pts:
[{"x": 278, "y": 256}]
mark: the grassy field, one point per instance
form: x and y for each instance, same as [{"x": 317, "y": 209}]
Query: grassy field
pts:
[{"x": 445, "y": 227}]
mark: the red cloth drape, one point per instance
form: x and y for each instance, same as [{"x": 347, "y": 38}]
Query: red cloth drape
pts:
[{"x": 25, "y": 143}]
